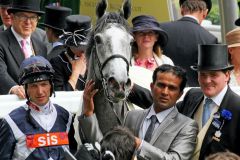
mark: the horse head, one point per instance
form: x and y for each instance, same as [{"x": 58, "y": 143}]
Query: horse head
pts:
[{"x": 109, "y": 51}]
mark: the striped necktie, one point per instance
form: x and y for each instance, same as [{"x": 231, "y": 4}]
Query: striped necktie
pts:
[{"x": 150, "y": 129}]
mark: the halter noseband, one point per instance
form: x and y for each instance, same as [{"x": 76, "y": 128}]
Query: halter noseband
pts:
[{"x": 101, "y": 67}]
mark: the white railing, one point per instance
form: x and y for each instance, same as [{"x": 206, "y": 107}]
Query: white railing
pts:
[{"x": 72, "y": 101}]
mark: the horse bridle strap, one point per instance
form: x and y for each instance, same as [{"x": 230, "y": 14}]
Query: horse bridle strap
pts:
[{"x": 112, "y": 57}]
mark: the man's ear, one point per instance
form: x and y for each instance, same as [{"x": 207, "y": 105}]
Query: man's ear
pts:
[
  {"x": 205, "y": 13},
  {"x": 182, "y": 11},
  {"x": 151, "y": 85},
  {"x": 230, "y": 50}
]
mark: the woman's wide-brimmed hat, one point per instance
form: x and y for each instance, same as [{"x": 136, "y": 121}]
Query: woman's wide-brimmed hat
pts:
[
  {"x": 32, "y": 6},
  {"x": 147, "y": 22},
  {"x": 212, "y": 57},
  {"x": 55, "y": 17},
  {"x": 77, "y": 30},
  {"x": 233, "y": 38}
]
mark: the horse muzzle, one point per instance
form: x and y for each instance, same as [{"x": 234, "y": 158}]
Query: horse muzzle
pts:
[{"x": 117, "y": 91}]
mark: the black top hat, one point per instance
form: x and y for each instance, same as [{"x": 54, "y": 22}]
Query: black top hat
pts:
[
  {"x": 77, "y": 29},
  {"x": 26, "y": 6},
  {"x": 55, "y": 17},
  {"x": 212, "y": 57},
  {"x": 146, "y": 22},
  {"x": 5, "y": 3},
  {"x": 208, "y": 3},
  {"x": 237, "y": 22}
]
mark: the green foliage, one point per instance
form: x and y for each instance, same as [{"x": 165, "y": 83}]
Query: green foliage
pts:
[{"x": 214, "y": 15}]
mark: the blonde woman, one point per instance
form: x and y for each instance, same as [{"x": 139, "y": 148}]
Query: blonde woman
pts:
[{"x": 149, "y": 38}]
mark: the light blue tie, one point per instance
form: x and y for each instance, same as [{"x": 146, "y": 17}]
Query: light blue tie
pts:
[{"x": 206, "y": 110}]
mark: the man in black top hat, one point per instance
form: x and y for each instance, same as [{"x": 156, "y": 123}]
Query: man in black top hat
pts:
[
  {"x": 215, "y": 106},
  {"x": 182, "y": 47},
  {"x": 70, "y": 65},
  {"x": 54, "y": 25},
  {"x": 7, "y": 22},
  {"x": 17, "y": 43}
]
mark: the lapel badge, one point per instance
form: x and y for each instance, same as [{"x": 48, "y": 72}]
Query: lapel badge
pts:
[
  {"x": 217, "y": 136},
  {"x": 216, "y": 123},
  {"x": 216, "y": 115}
]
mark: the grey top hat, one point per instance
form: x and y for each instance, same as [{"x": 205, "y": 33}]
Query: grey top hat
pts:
[
  {"x": 26, "y": 6},
  {"x": 146, "y": 22},
  {"x": 212, "y": 57},
  {"x": 55, "y": 17},
  {"x": 5, "y": 3}
]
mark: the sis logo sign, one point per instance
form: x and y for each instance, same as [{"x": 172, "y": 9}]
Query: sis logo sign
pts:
[{"x": 47, "y": 139}]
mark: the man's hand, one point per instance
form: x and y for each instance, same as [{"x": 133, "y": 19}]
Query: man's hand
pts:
[
  {"x": 138, "y": 142},
  {"x": 19, "y": 91},
  {"x": 88, "y": 94}
]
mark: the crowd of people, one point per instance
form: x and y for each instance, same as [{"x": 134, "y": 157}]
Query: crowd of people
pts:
[{"x": 34, "y": 63}]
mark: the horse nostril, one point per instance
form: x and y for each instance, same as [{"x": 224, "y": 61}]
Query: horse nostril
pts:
[{"x": 112, "y": 81}]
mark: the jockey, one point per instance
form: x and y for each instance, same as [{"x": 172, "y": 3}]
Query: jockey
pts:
[{"x": 39, "y": 129}]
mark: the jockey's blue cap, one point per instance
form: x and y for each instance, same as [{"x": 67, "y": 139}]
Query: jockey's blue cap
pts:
[
  {"x": 146, "y": 23},
  {"x": 34, "y": 69}
]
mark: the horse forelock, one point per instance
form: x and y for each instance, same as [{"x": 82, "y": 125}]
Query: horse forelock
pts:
[{"x": 108, "y": 17}]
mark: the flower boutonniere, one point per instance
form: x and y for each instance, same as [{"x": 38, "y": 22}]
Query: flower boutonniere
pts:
[{"x": 219, "y": 120}]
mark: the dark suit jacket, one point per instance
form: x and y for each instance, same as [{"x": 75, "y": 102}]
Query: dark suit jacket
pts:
[
  {"x": 230, "y": 138},
  {"x": 56, "y": 51},
  {"x": 41, "y": 35},
  {"x": 184, "y": 35},
  {"x": 1, "y": 28},
  {"x": 63, "y": 69},
  {"x": 11, "y": 57}
]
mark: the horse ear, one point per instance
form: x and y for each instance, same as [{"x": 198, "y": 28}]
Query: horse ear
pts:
[
  {"x": 126, "y": 9},
  {"x": 101, "y": 8}
]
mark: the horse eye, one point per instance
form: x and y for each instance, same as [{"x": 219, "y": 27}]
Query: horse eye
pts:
[
  {"x": 131, "y": 43},
  {"x": 98, "y": 39}
]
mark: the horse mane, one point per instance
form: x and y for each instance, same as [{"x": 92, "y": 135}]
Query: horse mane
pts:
[{"x": 108, "y": 17}]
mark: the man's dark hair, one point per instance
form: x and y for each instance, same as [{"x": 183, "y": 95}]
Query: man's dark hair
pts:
[
  {"x": 223, "y": 156},
  {"x": 194, "y": 5},
  {"x": 175, "y": 70},
  {"x": 56, "y": 32},
  {"x": 120, "y": 141}
]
